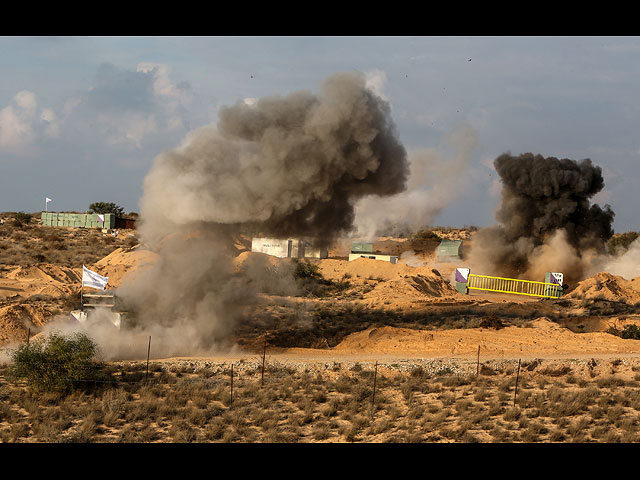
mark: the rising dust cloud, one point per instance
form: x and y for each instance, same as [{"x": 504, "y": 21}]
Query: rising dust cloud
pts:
[{"x": 290, "y": 166}]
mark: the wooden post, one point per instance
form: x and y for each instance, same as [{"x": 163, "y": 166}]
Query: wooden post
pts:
[
  {"x": 478, "y": 363},
  {"x": 373, "y": 397},
  {"x": 148, "y": 352},
  {"x": 28, "y": 335},
  {"x": 264, "y": 354},
  {"x": 231, "y": 401},
  {"x": 515, "y": 393}
]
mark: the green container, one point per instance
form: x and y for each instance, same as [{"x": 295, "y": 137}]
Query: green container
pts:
[
  {"x": 358, "y": 247},
  {"x": 109, "y": 220}
]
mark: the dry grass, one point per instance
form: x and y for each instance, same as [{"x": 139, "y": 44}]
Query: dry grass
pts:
[
  {"x": 70, "y": 247},
  {"x": 186, "y": 405}
]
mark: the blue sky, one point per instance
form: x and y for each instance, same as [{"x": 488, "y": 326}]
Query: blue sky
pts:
[{"x": 82, "y": 118}]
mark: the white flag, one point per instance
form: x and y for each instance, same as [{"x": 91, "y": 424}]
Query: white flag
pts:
[
  {"x": 93, "y": 279},
  {"x": 48, "y": 199}
]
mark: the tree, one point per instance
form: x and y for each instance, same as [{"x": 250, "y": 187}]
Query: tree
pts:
[
  {"x": 106, "y": 207},
  {"x": 21, "y": 218}
]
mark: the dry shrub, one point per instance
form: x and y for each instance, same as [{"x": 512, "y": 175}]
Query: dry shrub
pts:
[
  {"x": 182, "y": 432},
  {"x": 321, "y": 430},
  {"x": 512, "y": 414}
]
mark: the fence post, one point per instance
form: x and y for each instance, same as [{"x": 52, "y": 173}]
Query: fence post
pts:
[
  {"x": 373, "y": 397},
  {"x": 231, "y": 401},
  {"x": 515, "y": 393},
  {"x": 146, "y": 377},
  {"x": 264, "y": 354},
  {"x": 478, "y": 362},
  {"x": 28, "y": 335}
]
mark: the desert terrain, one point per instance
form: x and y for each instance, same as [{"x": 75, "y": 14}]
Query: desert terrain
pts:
[{"x": 432, "y": 349}]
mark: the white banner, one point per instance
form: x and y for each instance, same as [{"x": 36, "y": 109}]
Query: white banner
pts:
[{"x": 93, "y": 279}]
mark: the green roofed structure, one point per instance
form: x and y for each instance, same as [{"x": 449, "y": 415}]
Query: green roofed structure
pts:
[{"x": 449, "y": 250}]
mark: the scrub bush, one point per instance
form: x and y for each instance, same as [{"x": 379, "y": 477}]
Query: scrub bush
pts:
[{"x": 56, "y": 363}]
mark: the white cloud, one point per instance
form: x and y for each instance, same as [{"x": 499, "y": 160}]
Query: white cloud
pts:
[
  {"x": 26, "y": 100},
  {"x": 49, "y": 119},
  {"x": 162, "y": 85},
  {"x": 15, "y": 131},
  {"x": 70, "y": 105},
  {"x": 131, "y": 127},
  {"x": 376, "y": 81}
]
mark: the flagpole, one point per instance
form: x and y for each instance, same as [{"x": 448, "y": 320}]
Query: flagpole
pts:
[{"x": 82, "y": 285}]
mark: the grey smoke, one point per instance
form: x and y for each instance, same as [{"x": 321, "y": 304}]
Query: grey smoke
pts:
[
  {"x": 291, "y": 166},
  {"x": 436, "y": 179}
]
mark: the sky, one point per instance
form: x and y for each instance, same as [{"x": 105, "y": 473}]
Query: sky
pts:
[{"x": 82, "y": 118}]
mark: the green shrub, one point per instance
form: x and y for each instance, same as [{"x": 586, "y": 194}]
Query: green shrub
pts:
[
  {"x": 307, "y": 270},
  {"x": 56, "y": 363},
  {"x": 23, "y": 218},
  {"x": 629, "y": 332}
]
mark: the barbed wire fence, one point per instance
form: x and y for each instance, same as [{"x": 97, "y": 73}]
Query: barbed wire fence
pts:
[{"x": 226, "y": 374}]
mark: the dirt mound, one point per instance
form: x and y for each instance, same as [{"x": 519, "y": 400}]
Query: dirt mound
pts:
[
  {"x": 605, "y": 286},
  {"x": 123, "y": 261},
  {"x": 42, "y": 279},
  {"x": 544, "y": 337},
  {"x": 241, "y": 261},
  {"x": 45, "y": 272},
  {"x": 395, "y": 292},
  {"x": 16, "y": 320},
  {"x": 364, "y": 268}
]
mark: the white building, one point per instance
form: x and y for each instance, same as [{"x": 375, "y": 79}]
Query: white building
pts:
[{"x": 287, "y": 248}]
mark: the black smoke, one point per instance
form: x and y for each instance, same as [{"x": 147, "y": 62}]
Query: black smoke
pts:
[{"x": 542, "y": 196}]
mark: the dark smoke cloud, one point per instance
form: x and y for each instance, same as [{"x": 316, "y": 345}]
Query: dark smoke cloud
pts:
[
  {"x": 544, "y": 199},
  {"x": 282, "y": 166},
  {"x": 292, "y": 165}
]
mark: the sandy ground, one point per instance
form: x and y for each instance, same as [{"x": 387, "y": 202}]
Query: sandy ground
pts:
[{"x": 413, "y": 284}]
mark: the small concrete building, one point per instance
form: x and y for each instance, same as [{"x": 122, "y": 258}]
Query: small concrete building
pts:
[
  {"x": 288, "y": 248},
  {"x": 365, "y": 250},
  {"x": 272, "y": 246}
]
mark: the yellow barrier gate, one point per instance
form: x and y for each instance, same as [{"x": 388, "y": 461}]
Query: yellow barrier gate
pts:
[{"x": 513, "y": 285}]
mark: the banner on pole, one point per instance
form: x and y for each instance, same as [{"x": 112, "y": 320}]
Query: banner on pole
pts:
[{"x": 93, "y": 280}]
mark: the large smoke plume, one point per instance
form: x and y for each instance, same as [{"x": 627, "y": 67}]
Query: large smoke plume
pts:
[
  {"x": 290, "y": 166},
  {"x": 436, "y": 179},
  {"x": 546, "y": 219}
]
